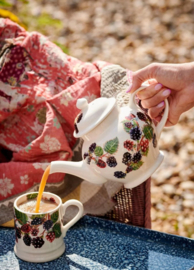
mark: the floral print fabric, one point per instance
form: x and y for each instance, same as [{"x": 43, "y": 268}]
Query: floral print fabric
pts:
[{"x": 39, "y": 87}]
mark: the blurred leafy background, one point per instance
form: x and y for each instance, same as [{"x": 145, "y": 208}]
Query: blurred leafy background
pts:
[
  {"x": 132, "y": 34},
  {"x": 19, "y": 11}
]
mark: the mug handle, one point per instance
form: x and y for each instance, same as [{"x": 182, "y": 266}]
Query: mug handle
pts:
[
  {"x": 161, "y": 124},
  {"x": 76, "y": 218}
]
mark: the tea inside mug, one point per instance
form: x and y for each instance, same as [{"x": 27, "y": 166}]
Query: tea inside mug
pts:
[{"x": 46, "y": 205}]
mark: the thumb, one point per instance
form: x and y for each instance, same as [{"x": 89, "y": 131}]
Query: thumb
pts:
[{"x": 141, "y": 76}]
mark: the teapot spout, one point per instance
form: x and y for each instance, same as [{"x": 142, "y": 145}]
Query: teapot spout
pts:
[{"x": 79, "y": 169}]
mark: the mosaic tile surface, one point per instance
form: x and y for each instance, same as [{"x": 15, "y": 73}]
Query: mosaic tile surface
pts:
[{"x": 99, "y": 244}]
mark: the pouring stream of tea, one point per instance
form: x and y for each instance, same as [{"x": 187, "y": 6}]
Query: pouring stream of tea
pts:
[{"x": 41, "y": 188}]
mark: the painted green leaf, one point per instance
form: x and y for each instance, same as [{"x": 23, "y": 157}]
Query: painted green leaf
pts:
[
  {"x": 135, "y": 123},
  {"x": 57, "y": 230},
  {"x": 55, "y": 216},
  {"x": 37, "y": 216},
  {"x": 145, "y": 153},
  {"x": 112, "y": 146},
  {"x": 127, "y": 125},
  {"x": 137, "y": 165},
  {"x": 148, "y": 132},
  {"x": 127, "y": 129},
  {"x": 98, "y": 151},
  {"x": 21, "y": 217},
  {"x": 32, "y": 196}
]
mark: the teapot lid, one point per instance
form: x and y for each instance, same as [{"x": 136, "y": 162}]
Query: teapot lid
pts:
[{"x": 91, "y": 114}]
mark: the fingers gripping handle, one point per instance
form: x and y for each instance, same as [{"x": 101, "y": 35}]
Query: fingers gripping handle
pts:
[
  {"x": 161, "y": 124},
  {"x": 77, "y": 216}
]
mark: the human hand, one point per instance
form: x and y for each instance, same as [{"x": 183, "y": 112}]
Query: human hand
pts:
[{"x": 172, "y": 81}]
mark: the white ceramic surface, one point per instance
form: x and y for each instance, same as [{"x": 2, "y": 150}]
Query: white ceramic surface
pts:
[
  {"x": 120, "y": 144},
  {"x": 40, "y": 236}
]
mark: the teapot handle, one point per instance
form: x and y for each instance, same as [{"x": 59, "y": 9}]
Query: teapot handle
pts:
[{"x": 161, "y": 124}]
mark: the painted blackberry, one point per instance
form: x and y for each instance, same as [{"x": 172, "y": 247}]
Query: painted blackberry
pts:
[
  {"x": 35, "y": 231},
  {"x": 111, "y": 161},
  {"x": 142, "y": 116},
  {"x": 154, "y": 141},
  {"x": 140, "y": 105},
  {"x": 135, "y": 133},
  {"x": 129, "y": 169},
  {"x": 36, "y": 221},
  {"x": 37, "y": 242},
  {"x": 128, "y": 145},
  {"x": 27, "y": 240},
  {"x": 50, "y": 236},
  {"x": 18, "y": 232},
  {"x": 126, "y": 158},
  {"x": 128, "y": 124},
  {"x": 101, "y": 163},
  {"x": 79, "y": 118},
  {"x": 86, "y": 155},
  {"x": 47, "y": 224},
  {"x": 26, "y": 228},
  {"x": 76, "y": 128},
  {"x": 137, "y": 157},
  {"x": 119, "y": 174},
  {"x": 92, "y": 147}
]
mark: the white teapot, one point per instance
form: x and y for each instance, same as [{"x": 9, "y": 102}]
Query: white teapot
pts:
[{"x": 120, "y": 144}]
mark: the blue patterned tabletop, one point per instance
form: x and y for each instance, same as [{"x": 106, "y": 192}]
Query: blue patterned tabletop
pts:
[{"x": 99, "y": 244}]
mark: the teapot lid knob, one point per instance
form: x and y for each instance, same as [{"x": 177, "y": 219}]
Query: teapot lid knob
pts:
[
  {"x": 91, "y": 114},
  {"x": 82, "y": 103}
]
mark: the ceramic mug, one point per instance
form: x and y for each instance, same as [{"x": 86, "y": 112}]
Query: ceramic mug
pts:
[{"x": 39, "y": 236}]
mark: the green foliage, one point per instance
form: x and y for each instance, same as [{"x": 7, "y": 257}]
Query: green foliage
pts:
[
  {"x": 46, "y": 19},
  {"x": 4, "y": 3},
  {"x": 24, "y": 1},
  {"x": 43, "y": 23},
  {"x": 63, "y": 48},
  {"x": 176, "y": 226}
]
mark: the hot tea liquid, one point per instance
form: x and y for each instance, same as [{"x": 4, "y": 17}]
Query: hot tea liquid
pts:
[
  {"x": 41, "y": 188},
  {"x": 45, "y": 206}
]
